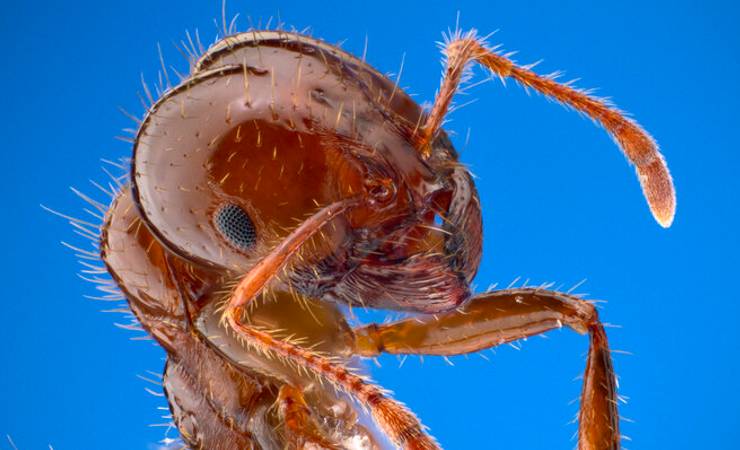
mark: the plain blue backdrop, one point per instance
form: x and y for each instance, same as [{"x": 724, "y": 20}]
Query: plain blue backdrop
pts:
[{"x": 560, "y": 204}]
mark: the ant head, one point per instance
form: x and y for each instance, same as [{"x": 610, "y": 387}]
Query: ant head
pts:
[{"x": 269, "y": 127}]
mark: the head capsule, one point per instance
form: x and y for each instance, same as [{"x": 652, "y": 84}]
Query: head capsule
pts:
[{"x": 269, "y": 127}]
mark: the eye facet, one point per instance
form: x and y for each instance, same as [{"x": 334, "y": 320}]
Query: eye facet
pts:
[{"x": 235, "y": 226}]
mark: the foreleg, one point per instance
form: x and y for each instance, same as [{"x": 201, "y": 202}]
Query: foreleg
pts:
[{"x": 499, "y": 317}]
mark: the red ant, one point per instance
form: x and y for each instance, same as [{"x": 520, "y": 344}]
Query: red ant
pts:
[{"x": 284, "y": 177}]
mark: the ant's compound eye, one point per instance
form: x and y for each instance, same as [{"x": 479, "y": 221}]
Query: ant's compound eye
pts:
[
  {"x": 381, "y": 191},
  {"x": 235, "y": 226}
]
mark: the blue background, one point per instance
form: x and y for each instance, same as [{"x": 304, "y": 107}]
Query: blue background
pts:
[{"x": 560, "y": 204}]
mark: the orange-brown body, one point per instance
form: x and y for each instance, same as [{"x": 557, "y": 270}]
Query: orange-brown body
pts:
[
  {"x": 284, "y": 178},
  {"x": 278, "y": 125}
]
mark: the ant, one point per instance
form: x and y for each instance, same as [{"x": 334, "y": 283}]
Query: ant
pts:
[{"x": 283, "y": 179}]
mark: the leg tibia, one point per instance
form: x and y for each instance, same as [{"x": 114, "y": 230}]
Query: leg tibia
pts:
[{"x": 598, "y": 427}]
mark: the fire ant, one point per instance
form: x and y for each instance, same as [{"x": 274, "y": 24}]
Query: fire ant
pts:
[{"x": 284, "y": 178}]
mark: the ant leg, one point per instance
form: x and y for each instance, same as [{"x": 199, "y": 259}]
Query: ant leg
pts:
[
  {"x": 400, "y": 424},
  {"x": 499, "y": 317},
  {"x": 300, "y": 428},
  {"x": 640, "y": 149}
]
